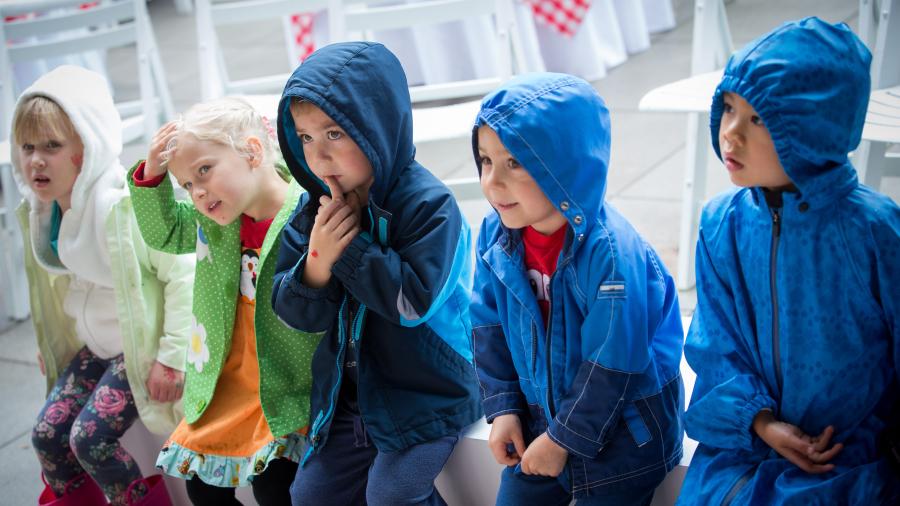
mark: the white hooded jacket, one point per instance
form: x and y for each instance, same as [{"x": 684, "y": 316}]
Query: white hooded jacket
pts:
[{"x": 82, "y": 246}]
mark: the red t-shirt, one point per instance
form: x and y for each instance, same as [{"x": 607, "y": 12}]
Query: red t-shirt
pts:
[{"x": 541, "y": 255}]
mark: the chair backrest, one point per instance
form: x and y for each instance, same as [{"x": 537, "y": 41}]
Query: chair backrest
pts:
[
  {"x": 57, "y": 28},
  {"x": 210, "y": 15},
  {"x": 360, "y": 19}
]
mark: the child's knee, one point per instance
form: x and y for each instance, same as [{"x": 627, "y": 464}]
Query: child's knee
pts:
[
  {"x": 398, "y": 492},
  {"x": 49, "y": 432}
]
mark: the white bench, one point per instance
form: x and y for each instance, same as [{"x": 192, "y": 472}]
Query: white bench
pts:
[{"x": 471, "y": 476}]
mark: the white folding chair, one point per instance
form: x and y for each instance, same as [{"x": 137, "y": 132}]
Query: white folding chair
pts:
[
  {"x": 62, "y": 29},
  {"x": 214, "y": 78},
  {"x": 878, "y": 155},
  {"x": 711, "y": 47},
  {"x": 362, "y": 19}
]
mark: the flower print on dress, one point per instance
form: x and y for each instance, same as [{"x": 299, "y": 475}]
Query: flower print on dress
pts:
[
  {"x": 202, "y": 248},
  {"x": 198, "y": 351}
]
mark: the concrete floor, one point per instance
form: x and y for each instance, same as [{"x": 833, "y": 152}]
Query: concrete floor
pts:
[{"x": 644, "y": 179}]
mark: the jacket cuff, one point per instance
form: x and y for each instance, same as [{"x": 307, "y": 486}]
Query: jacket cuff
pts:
[
  {"x": 172, "y": 352},
  {"x": 503, "y": 403},
  {"x": 330, "y": 291},
  {"x": 747, "y": 437},
  {"x": 137, "y": 177},
  {"x": 347, "y": 264},
  {"x": 573, "y": 442}
]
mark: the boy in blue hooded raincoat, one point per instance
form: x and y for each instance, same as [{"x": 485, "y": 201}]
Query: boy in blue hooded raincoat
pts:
[
  {"x": 795, "y": 338},
  {"x": 576, "y": 325},
  {"x": 378, "y": 256}
]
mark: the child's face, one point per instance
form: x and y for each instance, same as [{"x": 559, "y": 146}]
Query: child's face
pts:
[
  {"x": 51, "y": 166},
  {"x": 220, "y": 181},
  {"x": 511, "y": 190},
  {"x": 330, "y": 152},
  {"x": 747, "y": 148}
]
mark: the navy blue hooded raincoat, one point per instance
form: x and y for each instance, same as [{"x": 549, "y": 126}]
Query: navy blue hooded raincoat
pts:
[
  {"x": 399, "y": 294},
  {"x": 602, "y": 377},
  {"x": 799, "y": 305}
]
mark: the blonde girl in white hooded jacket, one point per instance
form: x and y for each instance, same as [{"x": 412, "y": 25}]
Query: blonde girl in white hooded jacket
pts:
[{"x": 112, "y": 317}]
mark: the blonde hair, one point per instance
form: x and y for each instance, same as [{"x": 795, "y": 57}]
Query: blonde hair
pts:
[
  {"x": 229, "y": 121},
  {"x": 40, "y": 117}
]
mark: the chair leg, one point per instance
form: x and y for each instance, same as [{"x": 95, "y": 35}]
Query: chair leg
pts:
[{"x": 693, "y": 195}]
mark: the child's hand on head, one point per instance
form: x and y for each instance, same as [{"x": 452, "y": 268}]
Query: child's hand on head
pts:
[
  {"x": 337, "y": 223},
  {"x": 507, "y": 430},
  {"x": 164, "y": 383},
  {"x": 544, "y": 457},
  {"x": 810, "y": 453},
  {"x": 159, "y": 156}
]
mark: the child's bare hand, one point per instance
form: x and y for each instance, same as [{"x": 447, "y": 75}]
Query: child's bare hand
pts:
[
  {"x": 336, "y": 224},
  {"x": 158, "y": 156},
  {"x": 41, "y": 366},
  {"x": 810, "y": 453},
  {"x": 544, "y": 457},
  {"x": 164, "y": 383},
  {"x": 506, "y": 430}
]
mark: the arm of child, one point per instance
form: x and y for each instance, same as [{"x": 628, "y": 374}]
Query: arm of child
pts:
[
  {"x": 299, "y": 306},
  {"x": 501, "y": 397},
  {"x": 409, "y": 280},
  {"x": 729, "y": 391},
  {"x": 165, "y": 223},
  {"x": 642, "y": 303},
  {"x": 166, "y": 380},
  {"x": 494, "y": 367}
]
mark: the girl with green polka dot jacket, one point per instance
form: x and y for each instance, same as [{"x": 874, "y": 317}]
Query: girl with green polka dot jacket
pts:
[{"x": 248, "y": 378}]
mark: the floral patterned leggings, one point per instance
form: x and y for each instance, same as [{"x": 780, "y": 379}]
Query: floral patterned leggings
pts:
[{"x": 78, "y": 430}]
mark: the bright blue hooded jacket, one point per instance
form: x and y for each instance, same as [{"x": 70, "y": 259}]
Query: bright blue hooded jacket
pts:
[
  {"x": 798, "y": 304},
  {"x": 602, "y": 377},
  {"x": 399, "y": 294}
]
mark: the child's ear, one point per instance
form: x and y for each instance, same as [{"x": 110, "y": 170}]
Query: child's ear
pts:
[{"x": 254, "y": 144}]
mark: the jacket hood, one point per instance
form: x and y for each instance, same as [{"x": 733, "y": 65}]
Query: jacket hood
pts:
[
  {"x": 363, "y": 88},
  {"x": 95, "y": 118},
  {"x": 809, "y": 82},
  {"x": 85, "y": 98},
  {"x": 558, "y": 128}
]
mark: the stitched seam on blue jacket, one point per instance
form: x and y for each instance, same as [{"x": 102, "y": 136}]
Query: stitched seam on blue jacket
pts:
[{"x": 612, "y": 313}]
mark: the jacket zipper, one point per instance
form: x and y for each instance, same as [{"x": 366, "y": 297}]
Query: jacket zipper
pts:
[
  {"x": 738, "y": 485},
  {"x": 547, "y": 343},
  {"x": 320, "y": 422},
  {"x": 776, "y": 352}
]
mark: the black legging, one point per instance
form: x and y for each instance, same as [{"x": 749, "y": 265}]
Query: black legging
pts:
[{"x": 271, "y": 488}]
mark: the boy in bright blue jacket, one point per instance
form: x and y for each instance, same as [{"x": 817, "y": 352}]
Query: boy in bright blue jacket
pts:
[
  {"x": 795, "y": 338},
  {"x": 576, "y": 325},
  {"x": 378, "y": 257}
]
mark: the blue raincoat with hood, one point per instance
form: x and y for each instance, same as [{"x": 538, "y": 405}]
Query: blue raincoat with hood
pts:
[
  {"x": 602, "y": 376},
  {"x": 799, "y": 303},
  {"x": 399, "y": 294}
]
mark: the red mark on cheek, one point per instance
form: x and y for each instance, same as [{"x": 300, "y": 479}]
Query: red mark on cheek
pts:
[
  {"x": 314, "y": 253},
  {"x": 78, "y": 159}
]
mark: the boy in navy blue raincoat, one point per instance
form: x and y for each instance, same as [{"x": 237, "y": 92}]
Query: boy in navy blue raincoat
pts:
[
  {"x": 378, "y": 258},
  {"x": 576, "y": 325},
  {"x": 795, "y": 338}
]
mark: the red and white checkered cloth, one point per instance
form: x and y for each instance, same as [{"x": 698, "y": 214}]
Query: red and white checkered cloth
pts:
[
  {"x": 302, "y": 25},
  {"x": 565, "y": 16}
]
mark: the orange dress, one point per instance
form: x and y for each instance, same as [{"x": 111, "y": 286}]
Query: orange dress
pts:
[{"x": 231, "y": 442}]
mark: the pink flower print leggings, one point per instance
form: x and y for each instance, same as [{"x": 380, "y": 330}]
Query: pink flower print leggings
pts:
[{"x": 78, "y": 430}]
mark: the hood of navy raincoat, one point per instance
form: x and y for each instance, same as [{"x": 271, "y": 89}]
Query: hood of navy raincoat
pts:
[
  {"x": 527, "y": 114},
  {"x": 813, "y": 103},
  {"x": 362, "y": 87}
]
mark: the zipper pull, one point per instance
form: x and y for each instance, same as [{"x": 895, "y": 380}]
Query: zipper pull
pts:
[{"x": 776, "y": 222}]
